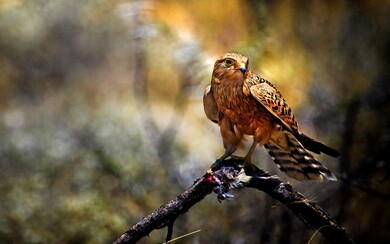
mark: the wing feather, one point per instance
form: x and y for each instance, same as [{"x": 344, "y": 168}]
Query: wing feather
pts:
[
  {"x": 272, "y": 100},
  {"x": 210, "y": 106},
  {"x": 269, "y": 97}
]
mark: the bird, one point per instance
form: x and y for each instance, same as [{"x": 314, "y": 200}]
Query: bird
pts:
[{"x": 245, "y": 104}]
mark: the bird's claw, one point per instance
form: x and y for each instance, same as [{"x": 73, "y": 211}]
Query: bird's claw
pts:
[{"x": 214, "y": 166}]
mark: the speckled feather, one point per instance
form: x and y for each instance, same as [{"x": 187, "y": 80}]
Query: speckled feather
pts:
[{"x": 268, "y": 96}]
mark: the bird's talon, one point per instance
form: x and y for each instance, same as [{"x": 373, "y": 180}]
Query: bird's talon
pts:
[
  {"x": 237, "y": 157},
  {"x": 248, "y": 165}
]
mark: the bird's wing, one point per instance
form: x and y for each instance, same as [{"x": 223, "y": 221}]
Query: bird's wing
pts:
[
  {"x": 267, "y": 95},
  {"x": 210, "y": 106}
]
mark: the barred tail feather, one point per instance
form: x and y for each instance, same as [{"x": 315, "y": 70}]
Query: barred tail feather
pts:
[{"x": 293, "y": 159}]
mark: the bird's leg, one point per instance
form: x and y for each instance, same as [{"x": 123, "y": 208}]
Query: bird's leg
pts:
[
  {"x": 218, "y": 161},
  {"x": 231, "y": 137},
  {"x": 224, "y": 156},
  {"x": 248, "y": 158}
]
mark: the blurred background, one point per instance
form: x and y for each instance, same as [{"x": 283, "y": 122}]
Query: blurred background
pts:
[{"x": 101, "y": 115}]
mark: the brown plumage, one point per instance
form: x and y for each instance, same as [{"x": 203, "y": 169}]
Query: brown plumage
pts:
[{"x": 243, "y": 103}]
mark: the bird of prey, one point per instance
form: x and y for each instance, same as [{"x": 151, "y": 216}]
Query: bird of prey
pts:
[{"x": 243, "y": 103}]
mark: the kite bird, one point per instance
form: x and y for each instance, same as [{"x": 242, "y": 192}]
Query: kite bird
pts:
[{"x": 243, "y": 103}]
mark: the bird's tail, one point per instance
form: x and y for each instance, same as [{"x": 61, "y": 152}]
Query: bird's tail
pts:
[
  {"x": 315, "y": 146},
  {"x": 292, "y": 158}
]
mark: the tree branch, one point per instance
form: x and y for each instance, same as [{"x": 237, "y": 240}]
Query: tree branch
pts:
[{"x": 230, "y": 174}]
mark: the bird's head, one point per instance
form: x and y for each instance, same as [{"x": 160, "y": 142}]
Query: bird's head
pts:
[{"x": 231, "y": 66}]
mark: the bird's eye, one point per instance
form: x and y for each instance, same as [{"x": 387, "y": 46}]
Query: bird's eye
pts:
[{"x": 228, "y": 62}]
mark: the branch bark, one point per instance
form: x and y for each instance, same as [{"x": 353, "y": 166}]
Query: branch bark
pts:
[{"x": 230, "y": 174}]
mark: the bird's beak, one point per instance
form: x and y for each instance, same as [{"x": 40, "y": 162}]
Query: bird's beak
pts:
[{"x": 242, "y": 68}]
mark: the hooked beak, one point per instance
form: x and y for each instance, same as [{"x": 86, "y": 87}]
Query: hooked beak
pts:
[{"x": 242, "y": 68}]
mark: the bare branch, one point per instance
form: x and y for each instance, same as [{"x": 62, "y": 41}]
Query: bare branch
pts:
[
  {"x": 168, "y": 212},
  {"x": 230, "y": 174}
]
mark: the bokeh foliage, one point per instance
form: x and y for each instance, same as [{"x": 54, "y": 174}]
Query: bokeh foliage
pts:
[{"x": 101, "y": 119}]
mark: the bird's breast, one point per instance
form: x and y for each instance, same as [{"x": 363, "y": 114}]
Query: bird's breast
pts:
[{"x": 244, "y": 111}]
